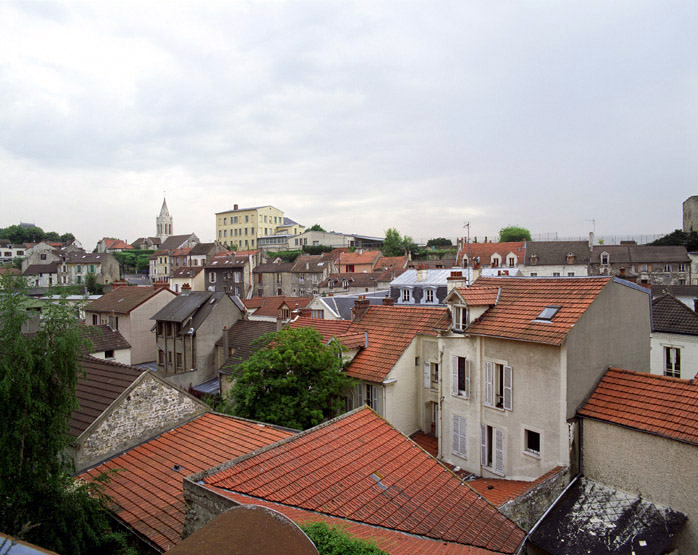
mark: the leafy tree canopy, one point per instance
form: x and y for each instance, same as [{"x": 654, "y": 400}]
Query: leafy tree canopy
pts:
[
  {"x": 316, "y": 249},
  {"x": 316, "y": 227},
  {"x": 395, "y": 244},
  {"x": 19, "y": 234},
  {"x": 133, "y": 260},
  {"x": 335, "y": 541},
  {"x": 439, "y": 242},
  {"x": 293, "y": 379},
  {"x": 514, "y": 233},
  {"x": 679, "y": 238}
]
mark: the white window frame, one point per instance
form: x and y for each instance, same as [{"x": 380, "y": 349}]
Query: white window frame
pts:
[
  {"x": 429, "y": 291},
  {"x": 434, "y": 375},
  {"x": 459, "y": 435},
  {"x": 492, "y": 456},
  {"x": 605, "y": 259},
  {"x": 456, "y": 391},
  {"x": 406, "y": 295},
  {"x": 531, "y": 452},
  {"x": 498, "y": 384},
  {"x": 672, "y": 361},
  {"x": 459, "y": 317}
]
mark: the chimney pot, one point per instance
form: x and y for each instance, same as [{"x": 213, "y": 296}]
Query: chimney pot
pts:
[
  {"x": 389, "y": 301},
  {"x": 235, "y": 206}
]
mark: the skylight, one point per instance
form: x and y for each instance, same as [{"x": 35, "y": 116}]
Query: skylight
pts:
[{"x": 548, "y": 313}]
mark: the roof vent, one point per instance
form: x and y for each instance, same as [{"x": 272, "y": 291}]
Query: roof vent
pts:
[
  {"x": 177, "y": 467},
  {"x": 548, "y": 312}
]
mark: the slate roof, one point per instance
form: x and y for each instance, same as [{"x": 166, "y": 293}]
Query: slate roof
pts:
[
  {"x": 437, "y": 264},
  {"x": 676, "y": 290},
  {"x": 484, "y": 251},
  {"x": 434, "y": 277},
  {"x": 36, "y": 269},
  {"x": 593, "y": 518},
  {"x": 174, "y": 242},
  {"x": 187, "y": 271},
  {"x": 148, "y": 487},
  {"x": 122, "y": 300},
  {"x": 240, "y": 338},
  {"x": 99, "y": 384},
  {"x": 310, "y": 264},
  {"x": 390, "y": 329},
  {"x": 522, "y": 299},
  {"x": 358, "y": 467},
  {"x": 341, "y": 305},
  {"x": 670, "y": 315},
  {"x": 555, "y": 252},
  {"x": 357, "y": 279},
  {"x": 197, "y": 305},
  {"x": 619, "y": 254},
  {"x": 202, "y": 249},
  {"x": 649, "y": 403},
  {"x": 227, "y": 260},
  {"x": 273, "y": 268},
  {"x": 271, "y": 306},
  {"x": 87, "y": 257},
  {"x": 104, "y": 338}
]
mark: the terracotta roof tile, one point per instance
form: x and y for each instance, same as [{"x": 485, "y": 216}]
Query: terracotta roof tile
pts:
[
  {"x": 521, "y": 301},
  {"x": 148, "y": 486},
  {"x": 646, "y": 402},
  {"x": 499, "y": 491},
  {"x": 390, "y": 329},
  {"x": 479, "y": 296},
  {"x": 484, "y": 251},
  {"x": 358, "y": 467},
  {"x": 356, "y": 257},
  {"x": 271, "y": 306}
]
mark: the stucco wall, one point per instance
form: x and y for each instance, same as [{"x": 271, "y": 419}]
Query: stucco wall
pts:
[
  {"x": 660, "y": 470},
  {"x": 147, "y": 410},
  {"x": 689, "y": 353},
  {"x": 614, "y": 331},
  {"x": 142, "y": 340},
  {"x": 400, "y": 408},
  {"x": 122, "y": 355},
  {"x": 549, "y": 269}
]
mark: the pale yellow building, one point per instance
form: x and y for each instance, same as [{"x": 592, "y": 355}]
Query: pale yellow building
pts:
[{"x": 241, "y": 228}]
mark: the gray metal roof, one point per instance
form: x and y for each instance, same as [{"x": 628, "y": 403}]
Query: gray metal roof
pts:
[
  {"x": 432, "y": 276},
  {"x": 182, "y": 307},
  {"x": 342, "y": 304},
  {"x": 211, "y": 387}
]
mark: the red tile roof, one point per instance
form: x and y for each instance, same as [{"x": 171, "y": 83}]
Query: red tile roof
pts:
[
  {"x": 498, "y": 491},
  {"x": 390, "y": 329},
  {"x": 522, "y": 300},
  {"x": 116, "y": 244},
  {"x": 389, "y": 262},
  {"x": 484, "y": 251},
  {"x": 648, "y": 403},
  {"x": 479, "y": 296},
  {"x": 356, "y": 257},
  {"x": 360, "y": 468},
  {"x": 271, "y": 306},
  {"x": 148, "y": 487},
  {"x": 327, "y": 328}
]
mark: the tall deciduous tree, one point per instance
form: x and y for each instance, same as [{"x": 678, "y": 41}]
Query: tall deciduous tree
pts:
[
  {"x": 38, "y": 376},
  {"x": 293, "y": 380},
  {"x": 514, "y": 233},
  {"x": 395, "y": 244}
]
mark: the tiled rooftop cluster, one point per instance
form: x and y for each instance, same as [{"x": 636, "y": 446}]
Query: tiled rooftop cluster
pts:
[{"x": 646, "y": 402}]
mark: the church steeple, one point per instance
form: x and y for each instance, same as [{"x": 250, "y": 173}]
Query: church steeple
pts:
[{"x": 163, "y": 223}]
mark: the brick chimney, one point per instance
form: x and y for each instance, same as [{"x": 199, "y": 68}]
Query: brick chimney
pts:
[
  {"x": 388, "y": 301},
  {"x": 456, "y": 279},
  {"x": 360, "y": 308},
  {"x": 235, "y": 206}
]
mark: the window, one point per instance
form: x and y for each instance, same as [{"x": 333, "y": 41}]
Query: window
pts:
[
  {"x": 169, "y": 357},
  {"x": 492, "y": 449},
  {"x": 556, "y": 274},
  {"x": 604, "y": 259},
  {"x": 570, "y": 274},
  {"x": 548, "y": 312},
  {"x": 682, "y": 281},
  {"x": 345, "y": 284},
  {"x": 161, "y": 357},
  {"x": 570, "y": 258},
  {"x": 643, "y": 267},
  {"x": 672, "y": 358},
  {"x": 667, "y": 267},
  {"x": 236, "y": 277},
  {"x": 460, "y": 385},
  {"x": 371, "y": 398},
  {"x": 532, "y": 443},
  {"x": 78, "y": 280},
  {"x": 459, "y": 317},
  {"x": 682, "y": 267},
  {"x": 301, "y": 278},
  {"x": 43, "y": 257},
  {"x": 405, "y": 295},
  {"x": 533, "y": 259},
  {"x": 434, "y": 366},
  {"x": 512, "y": 261},
  {"x": 534, "y": 274},
  {"x": 495, "y": 262},
  {"x": 247, "y": 219},
  {"x": 498, "y": 386},
  {"x": 429, "y": 296},
  {"x": 109, "y": 354},
  {"x": 179, "y": 360},
  {"x": 94, "y": 320},
  {"x": 116, "y": 323},
  {"x": 212, "y": 277},
  {"x": 350, "y": 268},
  {"x": 460, "y": 437},
  {"x": 318, "y": 314},
  {"x": 78, "y": 269},
  {"x": 285, "y": 313}
]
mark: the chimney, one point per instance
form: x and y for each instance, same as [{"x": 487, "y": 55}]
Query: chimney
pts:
[
  {"x": 389, "y": 301},
  {"x": 186, "y": 289},
  {"x": 360, "y": 307},
  {"x": 456, "y": 280},
  {"x": 235, "y": 206},
  {"x": 279, "y": 324},
  {"x": 591, "y": 240},
  {"x": 226, "y": 346},
  {"x": 366, "y": 339},
  {"x": 422, "y": 273}
]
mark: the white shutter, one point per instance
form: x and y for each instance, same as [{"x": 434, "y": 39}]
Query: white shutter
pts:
[
  {"x": 374, "y": 392},
  {"x": 361, "y": 394},
  {"x": 463, "y": 433},
  {"x": 455, "y": 432},
  {"x": 483, "y": 445},
  {"x": 508, "y": 388},
  {"x": 467, "y": 379},
  {"x": 454, "y": 375},
  {"x": 489, "y": 384},
  {"x": 427, "y": 375},
  {"x": 499, "y": 451}
]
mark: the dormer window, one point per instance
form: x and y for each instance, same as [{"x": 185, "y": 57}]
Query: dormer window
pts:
[
  {"x": 570, "y": 258},
  {"x": 548, "y": 312},
  {"x": 512, "y": 261},
  {"x": 429, "y": 296},
  {"x": 533, "y": 259},
  {"x": 459, "y": 315},
  {"x": 406, "y": 295},
  {"x": 494, "y": 261},
  {"x": 605, "y": 259}
]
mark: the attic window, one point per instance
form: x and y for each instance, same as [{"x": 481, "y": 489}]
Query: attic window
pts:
[{"x": 548, "y": 313}]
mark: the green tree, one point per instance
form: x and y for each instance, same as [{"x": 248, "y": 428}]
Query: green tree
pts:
[
  {"x": 41, "y": 502},
  {"x": 93, "y": 287},
  {"x": 315, "y": 227},
  {"x": 335, "y": 541},
  {"x": 514, "y": 233},
  {"x": 439, "y": 242},
  {"x": 395, "y": 244},
  {"x": 293, "y": 379},
  {"x": 67, "y": 238},
  {"x": 679, "y": 238}
]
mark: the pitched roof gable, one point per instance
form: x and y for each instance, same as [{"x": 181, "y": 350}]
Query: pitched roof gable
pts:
[
  {"x": 147, "y": 488},
  {"x": 515, "y": 316},
  {"x": 484, "y": 251},
  {"x": 122, "y": 300},
  {"x": 360, "y": 468},
  {"x": 360, "y": 257},
  {"x": 479, "y": 296},
  {"x": 270, "y": 306},
  {"x": 647, "y": 403},
  {"x": 104, "y": 338},
  {"x": 670, "y": 315}
]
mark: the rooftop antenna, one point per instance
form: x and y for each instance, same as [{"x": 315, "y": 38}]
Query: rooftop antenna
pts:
[
  {"x": 593, "y": 221},
  {"x": 467, "y": 225}
]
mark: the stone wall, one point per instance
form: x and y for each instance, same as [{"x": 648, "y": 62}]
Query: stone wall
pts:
[
  {"x": 149, "y": 409},
  {"x": 201, "y": 505},
  {"x": 527, "y": 509}
]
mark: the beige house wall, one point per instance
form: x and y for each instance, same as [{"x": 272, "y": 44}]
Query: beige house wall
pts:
[
  {"x": 142, "y": 340},
  {"x": 122, "y": 355},
  {"x": 660, "y": 470},
  {"x": 614, "y": 331},
  {"x": 196, "y": 283},
  {"x": 400, "y": 388}
]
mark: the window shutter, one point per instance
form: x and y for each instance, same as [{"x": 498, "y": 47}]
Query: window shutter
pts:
[
  {"x": 508, "y": 388},
  {"x": 483, "y": 445},
  {"x": 489, "y": 384},
  {"x": 361, "y": 394},
  {"x": 427, "y": 375},
  {"x": 374, "y": 391},
  {"x": 462, "y": 432},
  {"x": 455, "y": 448},
  {"x": 454, "y": 375},
  {"x": 499, "y": 451},
  {"x": 467, "y": 379}
]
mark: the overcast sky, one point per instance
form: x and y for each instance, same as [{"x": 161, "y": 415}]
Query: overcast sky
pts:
[{"x": 358, "y": 116}]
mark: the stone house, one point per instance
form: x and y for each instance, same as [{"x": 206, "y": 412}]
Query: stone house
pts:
[
  {"x": 556, "y": 258},
  {"x": 491, "y": 255},
  {"x": 307, "y": 273},
  {"x": 226, "y": 273},
  {"x": 420, "y": 286},
  {"x": 273, "y": 278},
  {"x": 128, "y": 310},
  {"x": 358, "y": 283},
  {"x": 674, "y": 343},
  {"x": 74, "y": 268},
  {"x": 640, "y": 436},
  {"x": 653, "y": 265},
  {"x": 42, "y": 275},
  {"x": 107, "y": 244},
  {"x": 502, "y": 386},
  {"x": 186, "y": 331},
  {"x": 121, "y": 406},
  {"x": 161, "y": 262},
  {"x": 40, "y": 253}
]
